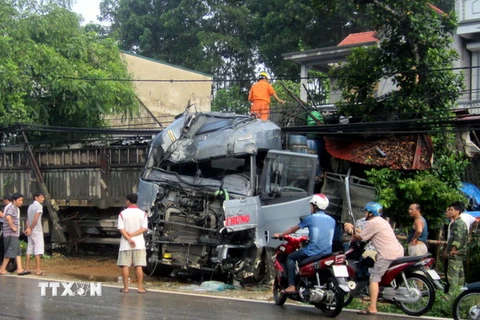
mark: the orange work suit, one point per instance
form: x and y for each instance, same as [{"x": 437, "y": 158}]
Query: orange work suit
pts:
[{"x": 259, "y": 95}]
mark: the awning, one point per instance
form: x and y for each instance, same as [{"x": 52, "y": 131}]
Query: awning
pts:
[{"x": 399, "y": 152}]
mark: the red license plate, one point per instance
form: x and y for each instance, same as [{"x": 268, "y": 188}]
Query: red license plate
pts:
[{"x": 232, "y": 221}]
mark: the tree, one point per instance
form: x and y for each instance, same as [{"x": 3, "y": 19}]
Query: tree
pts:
[
  {"x": 231, "y": 100},
  {"x": 414, "y": 51},
  {"x": 47, "y": 66}
]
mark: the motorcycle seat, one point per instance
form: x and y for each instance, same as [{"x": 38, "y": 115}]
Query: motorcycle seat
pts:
[
  {"x": 315, "y": 258},
  {"x": 409, "y": 259}
]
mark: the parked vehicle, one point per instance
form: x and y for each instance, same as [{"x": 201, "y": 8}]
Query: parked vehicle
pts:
[
  {"x": 215, "y": 187},
  {"x": 86, "y": 184},
  {"x": 467, "y": 304},
  {"x": 320, "y": 279},
  {"x": 407, "y": 283}
]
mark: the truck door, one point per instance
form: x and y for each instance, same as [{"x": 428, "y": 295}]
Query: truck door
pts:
[{"x": 286, "y": 184}]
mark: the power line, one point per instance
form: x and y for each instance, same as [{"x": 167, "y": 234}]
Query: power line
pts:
[{"x": 217, "y": 79}]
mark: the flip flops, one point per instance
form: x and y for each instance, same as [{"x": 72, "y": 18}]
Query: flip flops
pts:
[
  {"x": 143, "y": 292},
  {"x": 366, "y": 312},
  {"x": 40, "y": 274},
  {"x": 123, "y": 290},
  {"x": 24, "y": 272}
]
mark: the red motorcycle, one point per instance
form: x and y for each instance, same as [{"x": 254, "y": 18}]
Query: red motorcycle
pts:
[
  {"x": 320, "y": 280},
  {"x": 408, "y": 282}
]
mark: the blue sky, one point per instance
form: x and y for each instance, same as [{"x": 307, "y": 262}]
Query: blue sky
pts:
[{"x": 89, "y": 9}]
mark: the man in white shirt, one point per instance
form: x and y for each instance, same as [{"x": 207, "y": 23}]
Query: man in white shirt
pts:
[
  {"x": 34, "y": 232},
  {"x": 132, "y": 224},
  {"x": 469, "y": 220}
]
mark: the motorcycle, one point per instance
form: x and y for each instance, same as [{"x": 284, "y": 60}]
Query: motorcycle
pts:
[
  {"x": 320, "y": 280},
  {"x": 408, "y": 282},
  {"x": 467, "y": 304}
]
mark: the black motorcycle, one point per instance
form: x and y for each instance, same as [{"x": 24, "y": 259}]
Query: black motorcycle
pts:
[{"x": 467, "y": 304}]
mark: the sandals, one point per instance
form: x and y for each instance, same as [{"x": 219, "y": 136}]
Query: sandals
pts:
[
  {"x": 124, "y": 290},
  {"x": 24, "y": 272}
]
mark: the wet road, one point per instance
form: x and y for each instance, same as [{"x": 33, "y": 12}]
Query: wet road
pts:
[{"x": 20, "y": 298}]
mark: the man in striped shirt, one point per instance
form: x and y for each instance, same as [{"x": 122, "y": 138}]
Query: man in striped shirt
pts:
[{"x": 11, "y": 233}]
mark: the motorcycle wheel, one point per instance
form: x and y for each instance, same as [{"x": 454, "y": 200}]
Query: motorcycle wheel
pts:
[
  {"x": 427, "y": 299},
  {"x": 278, "y": 297},
  {"x": 11, "y": 266},
  {"x": 347, "y": 299},
  {"x": 333, "y": 308},
  {"x": 466, "y": 305}
]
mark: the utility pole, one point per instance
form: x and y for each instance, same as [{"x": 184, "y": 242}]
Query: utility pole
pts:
[{"x": 57, "y": 229}]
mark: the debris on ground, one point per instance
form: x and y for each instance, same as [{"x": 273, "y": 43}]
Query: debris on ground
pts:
[{"x": 210, "y": 286}]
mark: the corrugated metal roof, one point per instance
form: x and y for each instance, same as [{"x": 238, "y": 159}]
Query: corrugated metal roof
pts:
[
  {"x": 360, "y": 37},
  {"x": 400, "y": 152}
]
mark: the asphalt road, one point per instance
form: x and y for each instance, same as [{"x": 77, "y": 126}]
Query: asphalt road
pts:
[{"x": 21, "y": 298}]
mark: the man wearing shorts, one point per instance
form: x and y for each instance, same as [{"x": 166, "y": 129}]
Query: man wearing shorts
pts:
[
  {"x": 7, "y": 199},
  {"x": 11, "y": 232},
  {"x": 379, "y": 231},
  {"x": 34, "y": 232},
  {"x": 132, "y": 224}
]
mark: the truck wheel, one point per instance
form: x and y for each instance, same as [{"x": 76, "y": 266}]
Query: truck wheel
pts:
[{"x": 156, "y": 269}]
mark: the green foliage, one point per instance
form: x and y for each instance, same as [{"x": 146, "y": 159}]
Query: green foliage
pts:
[
  {"x": 441, "y": 308},
  {"x": 415, "y": 55},
  {"x": 415, "y": 51},
  {"x": 43, "y": 51},
  {"x": 473, "y": 259},
  {"x": 232, "y": 100},
  {"x": 293, "y": 87},
  {"x": 224, "y": 37},
  {"x": 397, "y": 190},
  {"x": 359, "y": 85}
]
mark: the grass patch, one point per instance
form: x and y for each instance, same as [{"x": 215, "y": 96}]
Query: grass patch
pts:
[{"x": 441, "y": 308}]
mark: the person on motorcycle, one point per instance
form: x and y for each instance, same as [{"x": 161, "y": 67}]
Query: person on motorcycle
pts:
[
  {"x": 379, "y": 231},
  {"x": 321, "y": 228}
]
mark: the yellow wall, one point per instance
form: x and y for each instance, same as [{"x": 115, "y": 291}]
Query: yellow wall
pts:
[{"x": 164, "y": 99}]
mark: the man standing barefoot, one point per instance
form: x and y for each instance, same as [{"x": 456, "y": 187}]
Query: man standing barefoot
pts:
[
  {"x": 34, "y": 232},
  {"x": 132, "y": 224}
]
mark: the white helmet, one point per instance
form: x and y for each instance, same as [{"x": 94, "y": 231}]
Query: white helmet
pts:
[{"x": 320, "y": 201}]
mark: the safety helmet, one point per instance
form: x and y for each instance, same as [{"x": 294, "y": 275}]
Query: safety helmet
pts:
[
  {"x": 320, "y": 201},
  {"x": 263, "y": 75},
  {"x": 374, "y": 208}
]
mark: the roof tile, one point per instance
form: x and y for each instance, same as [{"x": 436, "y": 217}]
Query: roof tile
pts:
[{"x": 360, "y": 37}]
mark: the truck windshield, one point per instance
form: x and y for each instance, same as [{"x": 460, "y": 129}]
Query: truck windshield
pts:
[{"x": 288, "y": 173}]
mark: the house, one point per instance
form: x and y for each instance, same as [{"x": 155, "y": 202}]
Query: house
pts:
[
  {"x": 467, "y": 44},
  {"x": 322, "y": 59},
  {"x": 164, "y": 91}
]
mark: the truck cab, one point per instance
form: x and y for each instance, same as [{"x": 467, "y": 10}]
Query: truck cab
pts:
[{"x": 215, "y": 187}]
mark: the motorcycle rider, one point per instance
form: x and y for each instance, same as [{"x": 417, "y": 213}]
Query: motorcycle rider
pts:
[
  {"x": 379, "y": 231},
  {"x": 321, "y": 228}
]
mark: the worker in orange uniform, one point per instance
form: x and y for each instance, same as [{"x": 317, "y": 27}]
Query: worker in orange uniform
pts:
[{"x": 259, "y": 95}]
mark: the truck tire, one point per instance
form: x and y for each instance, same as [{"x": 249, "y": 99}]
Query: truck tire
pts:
[{"x": 154, "y": 269}]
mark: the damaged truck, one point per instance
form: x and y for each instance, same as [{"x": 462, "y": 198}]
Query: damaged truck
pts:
[{"x": 216, "y": 187}]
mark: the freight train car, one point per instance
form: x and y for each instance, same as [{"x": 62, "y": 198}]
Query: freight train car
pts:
[{"x": 87, "y": 186}]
